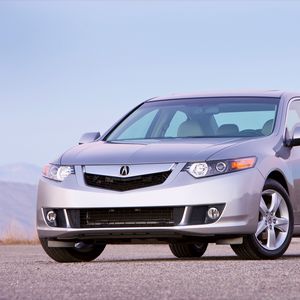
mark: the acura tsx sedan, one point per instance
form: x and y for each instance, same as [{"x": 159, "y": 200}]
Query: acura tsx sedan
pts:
[{"x": 185, "y": 170}]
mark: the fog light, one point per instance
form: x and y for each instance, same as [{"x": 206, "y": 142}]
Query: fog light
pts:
[
  {"x": 51, "y": 216},
  {"x": 213, "y": 213}
]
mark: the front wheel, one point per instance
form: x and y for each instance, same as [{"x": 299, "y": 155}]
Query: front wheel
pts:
[
  {"x": 275, "y": 225},
  {"x": 67, "y": 255},
  {"x": 182, "y": 250}
]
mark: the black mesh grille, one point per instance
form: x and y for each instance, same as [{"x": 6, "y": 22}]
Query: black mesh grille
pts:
[
  {"x": 125, "y": 217},
  {"x": 125, "y": 184}
]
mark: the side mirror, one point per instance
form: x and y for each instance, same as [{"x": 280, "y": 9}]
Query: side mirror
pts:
[
  {"x": 89, "y": 137},
  {"x": 295, "y": 140}
]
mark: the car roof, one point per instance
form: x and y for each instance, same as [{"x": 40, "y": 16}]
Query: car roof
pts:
[{"x": 265, "y": 93}]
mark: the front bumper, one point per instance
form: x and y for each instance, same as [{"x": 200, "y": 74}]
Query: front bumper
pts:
[{"x": 240, "y": 192}]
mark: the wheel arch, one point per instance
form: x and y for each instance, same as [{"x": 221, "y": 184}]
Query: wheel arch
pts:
[{"x": 280, "y": 178}]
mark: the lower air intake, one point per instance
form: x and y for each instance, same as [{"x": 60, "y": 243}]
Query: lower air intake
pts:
[{"x": 125, "y": 217}]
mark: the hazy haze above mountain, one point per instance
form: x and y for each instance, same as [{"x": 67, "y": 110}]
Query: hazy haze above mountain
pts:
[
  {"x": 18, "y": 209},
  {"x": 20, "y": 172},
  {"x": 18, "y": 188}
]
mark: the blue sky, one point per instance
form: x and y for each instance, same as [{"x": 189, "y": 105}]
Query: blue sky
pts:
[{"x": 68, "y": 67}]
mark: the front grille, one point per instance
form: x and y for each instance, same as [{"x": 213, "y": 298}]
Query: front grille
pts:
[
  {"x": 125, "y": 184},
  {"x": 125, "y": 217}
]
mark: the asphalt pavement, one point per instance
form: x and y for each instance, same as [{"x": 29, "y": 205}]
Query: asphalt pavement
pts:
[{"x": 148, "y": 272}]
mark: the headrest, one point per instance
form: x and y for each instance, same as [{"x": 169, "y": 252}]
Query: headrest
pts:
[
  {"x": 190, "y": 128},
  {"x": 228, "y": 130},
  {"x": 268, "y": 127}
]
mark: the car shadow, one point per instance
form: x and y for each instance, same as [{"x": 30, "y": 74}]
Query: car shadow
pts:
[{"x": 179, "y": 260}]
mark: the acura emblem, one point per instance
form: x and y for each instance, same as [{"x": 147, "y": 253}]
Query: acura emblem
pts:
[{"x": 124, "y": 171}]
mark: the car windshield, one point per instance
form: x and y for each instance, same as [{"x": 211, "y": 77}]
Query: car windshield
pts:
[{"x": 198, "y": 118}]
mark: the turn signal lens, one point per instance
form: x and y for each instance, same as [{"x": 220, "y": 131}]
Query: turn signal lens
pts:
[{"x": 244, "y": 163}]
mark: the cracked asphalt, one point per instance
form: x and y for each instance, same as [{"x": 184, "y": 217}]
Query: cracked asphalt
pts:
[{"x": 148, "y": 272}]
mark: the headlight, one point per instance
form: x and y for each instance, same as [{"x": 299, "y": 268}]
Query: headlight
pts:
[
  {"x": 218, "y": 167},
  {"x": 58, "y": 173}
]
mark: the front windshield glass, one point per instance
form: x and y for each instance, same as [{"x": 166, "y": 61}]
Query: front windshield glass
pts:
[{"x": 199, "y": 118}]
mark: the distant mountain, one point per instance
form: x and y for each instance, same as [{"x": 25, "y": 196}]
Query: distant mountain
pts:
[
  {"x": 20, "y": 172},
  {"x": 18, "y": 189},
  {"x": 17, "y": 210}
]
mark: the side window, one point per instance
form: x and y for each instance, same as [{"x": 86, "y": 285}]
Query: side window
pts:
[
  {"x": 139, "y": 129},
  {"x": 293, "y": 117},
  {"x": 178, "y": 118}
]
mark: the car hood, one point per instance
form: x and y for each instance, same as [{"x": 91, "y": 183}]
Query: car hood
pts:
[{"x": 153, "y": 151}]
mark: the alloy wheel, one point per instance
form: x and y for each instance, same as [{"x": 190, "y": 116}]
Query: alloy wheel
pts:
[{"x": 273, "y": 224}]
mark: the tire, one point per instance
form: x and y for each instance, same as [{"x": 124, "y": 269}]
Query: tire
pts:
[
  {"x": 188, "y": 250},
  {"x": 69, "y": 255},
  {"x": 275, "y": 225}
]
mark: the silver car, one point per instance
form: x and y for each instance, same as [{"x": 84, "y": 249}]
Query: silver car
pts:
[{"x": 185, "y": 170}]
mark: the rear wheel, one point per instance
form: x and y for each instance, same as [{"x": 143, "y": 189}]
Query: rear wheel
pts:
[
  {"x": 275, "y": 226},
  {"x": 67, "y": 255},
  {"x": 182, "y": 250}
]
